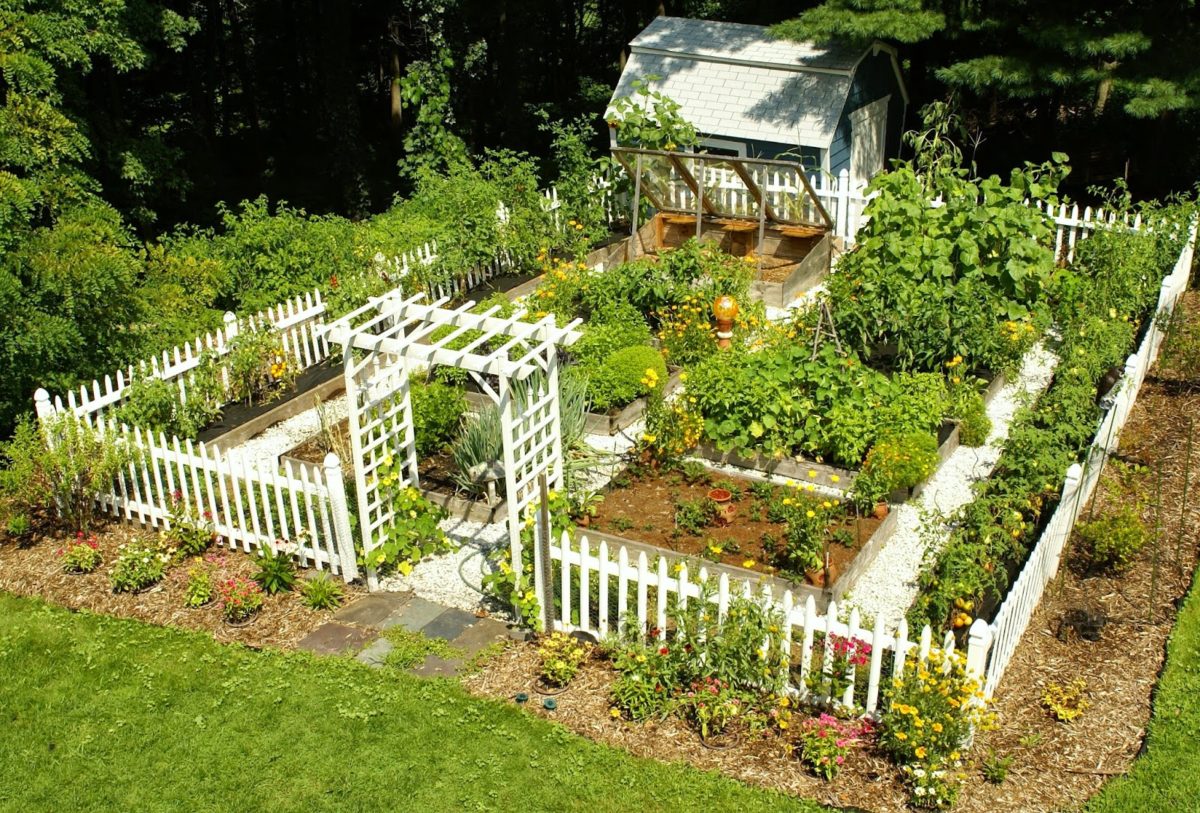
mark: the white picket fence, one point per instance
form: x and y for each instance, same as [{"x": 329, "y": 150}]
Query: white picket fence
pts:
[
  {"x": 297, "y": 321},
  {"x": 1013, "y": 617},
  {"x": 631, "y": 588}
]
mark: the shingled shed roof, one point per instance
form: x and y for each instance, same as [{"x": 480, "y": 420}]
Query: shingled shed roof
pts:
[{"x": 736, "y": 80}]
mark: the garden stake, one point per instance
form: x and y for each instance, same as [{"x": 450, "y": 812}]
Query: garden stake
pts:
[
  {"x": 543, "y": 543},
  {"x": 1187, "y": 476}
]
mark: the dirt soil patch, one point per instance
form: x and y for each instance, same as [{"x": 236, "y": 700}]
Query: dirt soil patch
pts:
[
  {"x": 1056, "y": 766},
  {"x": 644, "y": 511},
  {"x": 35, "y": 570}
]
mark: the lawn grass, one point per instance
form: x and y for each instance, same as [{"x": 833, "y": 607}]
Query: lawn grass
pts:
[
  {"x": 1167, "y": 776},
  {"x": 105, "y": 714}
]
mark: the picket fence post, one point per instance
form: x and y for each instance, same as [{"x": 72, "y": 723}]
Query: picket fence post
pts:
[
  {"x": 41, "y": 403},
  {"x": 340, "y": 509}
]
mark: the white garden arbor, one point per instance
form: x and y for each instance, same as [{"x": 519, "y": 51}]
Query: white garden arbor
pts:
[{"x": 515, "y": 363}]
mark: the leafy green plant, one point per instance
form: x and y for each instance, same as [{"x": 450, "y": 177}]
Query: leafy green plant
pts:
[
  {"x": 138, "y": 566},
  {"x": 902, "y": 461},
  {"x": 258, "y": 368},
  {"x": 560, "y": 656},
  {"x": 410, "y": 649},
  {"x": 995, "y": 767},
  {"x": 437, "y": 412},
  {"x": 189, "y": 534},
  {"x": 413, "y": 532},
  {"x": 154, "y": 404},
  {"x": 624, "y": 376},
  {"x": 276, "y": 570},
  {"x": 18, "y": 526},
  {"x": 321, "y": 592},
  {"x": 82, "y": 555},
  {"x": 974, "y": 425},
  {"x": 480, "y": 443},
  {"x": 62, "y": 465},
  {"x": 650, "y": 119},
  {"x": 693, "y": 516},
  {"x": 240, "y": 598},
  {"x": 1110, "y": 542},
  {"x": 199, "y": 589},
  {"x": 711, "y": 704}
]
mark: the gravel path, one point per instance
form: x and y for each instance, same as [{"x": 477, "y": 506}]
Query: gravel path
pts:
[
  {"x": 889, "y": 586},
  {"x": 264, "y": 449}
]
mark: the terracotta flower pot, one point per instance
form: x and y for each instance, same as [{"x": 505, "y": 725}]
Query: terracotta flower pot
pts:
[
  {"x": 815, "y": 576},
  {"x": 727, "y": 514},
  {"x": 881, "y": 510},
  {"x": 719, "y": 495}
]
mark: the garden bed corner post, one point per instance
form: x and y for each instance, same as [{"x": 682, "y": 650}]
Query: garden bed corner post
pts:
[{"x": 340, "y": 510}]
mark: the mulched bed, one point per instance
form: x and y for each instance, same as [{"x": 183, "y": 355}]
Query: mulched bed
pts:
[
  {"x": 1056, "y": 766},
  {"x": 644, "y": 511},
  {"x": 35, "y": 570}
]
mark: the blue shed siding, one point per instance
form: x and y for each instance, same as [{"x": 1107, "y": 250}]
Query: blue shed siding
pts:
[{"x": 874, "y": 79}]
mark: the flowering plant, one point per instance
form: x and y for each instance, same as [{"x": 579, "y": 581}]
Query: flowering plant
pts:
[
  {"x": 190, "y": 533},
  {"x": 413, "y": 532},
  {"x": 199, "y": 589},
  {"x": 240, "y": 598},
  {"x": 933, "y": 708},
  {"x": 137, "y": 567},
  {"x": 845, "y": 655},
  {"x": 561, "y": 656},
  {"x": 826, "y": 741},
  {"x": 671, "y": 430},
  {"x": 82, "y": 555},
  {"x": 712, "y": 704}
]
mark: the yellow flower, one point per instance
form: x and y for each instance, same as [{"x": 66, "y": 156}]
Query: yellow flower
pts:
[
  {"x": 937, "y": 727},
  {"x": 683, "y": 376},
  {"x": 748, "y": 563},
  {"x": 812, "y": 472},
  {"x": 900, "y": 735},
  {"x": 614, "y": 713},
  {"x": 920, "y": 752},
  {"x": 834, "y": 478},
  {"x": 810, "y": 513}
]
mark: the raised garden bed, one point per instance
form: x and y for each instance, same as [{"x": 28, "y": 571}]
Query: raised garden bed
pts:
[
  {"x": 597, "y": 423},
  {"x": 803, "y": 470},
  {"x": 437, "y": 480},
  {"x": 639, "y": 512},
  {"x": 239, "y": 422}
]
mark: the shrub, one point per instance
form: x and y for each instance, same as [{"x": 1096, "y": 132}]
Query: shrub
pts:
[
  {"x": 138, "y": 566},
  {"x": 617, "y": 327},
  {"x": 437, "y": 411},
  {"x": 561, "y": 656},
  {"x": 624, "y": 376},
  {"x": 902, "y": 461},
  {"x": 276, "y": 571},
  {"x": 1110, "y": 542},
  {"x": 61, "y": 464},
  {"x": 240, "y": 598},
  {"x": 321, "y": 592},
  {"x": 82, "y": 555}
]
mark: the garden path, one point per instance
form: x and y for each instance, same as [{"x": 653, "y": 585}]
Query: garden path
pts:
[
  {"x": 888, "y": 587},
  {"x": 359, "y": 627}
]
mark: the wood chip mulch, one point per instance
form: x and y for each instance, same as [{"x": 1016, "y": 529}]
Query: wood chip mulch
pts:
[
  {"x": 1056, "y": 766},
  {"x": 35, "y": 570}
]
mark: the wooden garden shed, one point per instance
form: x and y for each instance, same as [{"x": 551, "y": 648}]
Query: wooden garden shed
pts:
[{"x": 753, "y": 96}]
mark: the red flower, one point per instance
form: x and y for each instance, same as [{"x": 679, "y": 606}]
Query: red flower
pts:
[{"x": 663, "y": 651}]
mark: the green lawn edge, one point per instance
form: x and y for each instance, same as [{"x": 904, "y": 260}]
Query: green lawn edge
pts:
[
  {"x": 1167, "y": 775},
  {"x": 109, "y": 714}
]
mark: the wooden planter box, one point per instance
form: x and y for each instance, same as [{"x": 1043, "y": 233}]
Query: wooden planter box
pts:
[
  {"x": 239, "y": 423},
  {"x": 800, "y": 590},
  {"x": 798, "y": 468},
  {"x": 802, "y": 275},
  {"x": 597, "y": 423}
]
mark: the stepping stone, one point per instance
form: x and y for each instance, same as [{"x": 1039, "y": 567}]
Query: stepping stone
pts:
[
  {"x": 372, "y": 610},
  {"x": 376, "y": 653},
  {"x": 413, "y": 615},
  {"x": 438, "y": 667},
  {"x": 332, "y": 638},
  {"x": 449, "y": 624},
  {"x": 483, "y": 633}
]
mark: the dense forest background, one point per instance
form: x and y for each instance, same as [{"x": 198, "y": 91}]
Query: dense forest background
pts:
[{"x": 146, "y": 145}]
